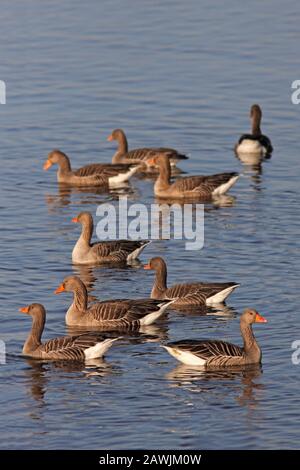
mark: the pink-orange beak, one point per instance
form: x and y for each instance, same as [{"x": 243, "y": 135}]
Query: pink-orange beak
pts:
[
  {"x": 47, "y": 165},
  {"x": 151, "y": 161},
  {"x": 24, "y": 309},
  {"x": 147, "y": 266},
  {"x": 110, "y": 138},
  {"x": 60, "y": 289},
  {"x": 75, "y": 220},
  {"x": 260, "y": 319}
]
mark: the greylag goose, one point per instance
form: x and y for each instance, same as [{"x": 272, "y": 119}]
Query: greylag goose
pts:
[
  {"x": 256, "y": 142},
  {"x": 198, "y": 293},
  {"x": 219, "y": 354},
  {"x": 109, "y": 314},
  {"x": 141, "y": 154},
  {"x": 64, "y": 348},
  {"x": 116, "y": 251},
  {"x": 95, "y": 174},
  {"x": 200, "y": 187}
]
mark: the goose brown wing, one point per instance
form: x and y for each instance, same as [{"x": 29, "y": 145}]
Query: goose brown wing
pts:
[
  {"x": 219, "y": 286},
  {"x": 189, "y": 183},
  {"x": 94, "y": 179},
  {"x": 195, "y": 293},
  {"x": 187, "y": 294},
  {"x": 205, "y": 183},
  {"x": 171, "y": 153},
  {"x": 140, "y": 154},
  {"x": 208, "y": 349},
  {"x": 141, "y": 307},
  {"x": 108, "y": 310},
  {"x": 182, "y": 290},
  {"x": 69, "y": 347},
  {"x": 107, "y": 248},
  {"x": 107, "y": 170},
  {"x": 123, "y": 309},
  {"x": 145, "y": 153}
]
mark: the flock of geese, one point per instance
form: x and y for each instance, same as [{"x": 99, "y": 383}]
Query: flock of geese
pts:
[{"x": 130, "y": 314}]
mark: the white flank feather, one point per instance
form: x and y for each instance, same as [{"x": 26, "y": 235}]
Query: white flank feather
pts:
[
  {"x": 220, "y": 297},
  {"x": 99, "y": 349},
  {"x": 185, "y": 357}
]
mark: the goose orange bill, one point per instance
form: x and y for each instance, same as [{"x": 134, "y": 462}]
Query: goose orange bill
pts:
[
  {"x": 110, "y": 138},
  {"x": 60, "y": 289},
  {"x": 147, "y": 266},
  {"x": 24, "y": 309},
  {"x": 75, "y": 220},
  {"x": 260, "y": 319},
  {"x": 151, "y": 161},
  {"x": 47, "y": 165}
]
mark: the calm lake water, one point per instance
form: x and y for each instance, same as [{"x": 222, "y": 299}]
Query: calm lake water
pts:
[{"x": 180, "y": 74}]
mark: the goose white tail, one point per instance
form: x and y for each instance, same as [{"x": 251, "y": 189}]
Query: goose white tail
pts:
[
  {"x": 250, "y": 146},
  {"x": 152, "y": 317},
  {"x": 99, "y": 349},
  {"x": 220, "y": 297},
  {"x": 136, "y": 253},
  {"x": 223, "y": 188},
  {"x": 185, "y": 357},
  {"x": 122, "y": 177}
]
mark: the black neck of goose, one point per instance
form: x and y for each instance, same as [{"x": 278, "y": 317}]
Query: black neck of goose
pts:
[
  {"x": 64, "y": 164},
  {"x": 160, "y": 282},
  {"x": 80, "y": 297},
  {"x": 87, "y": 231},
  {"x": 34, "y": 339},
  {"x": 256, "y": 125}
]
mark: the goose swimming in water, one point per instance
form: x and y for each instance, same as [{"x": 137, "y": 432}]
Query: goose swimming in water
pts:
[
  {"x": 105, "y": 252},
  {"x": 218, "y": 354},
  {"x": 114, "y": 314},
  {"x": 64, "y": 348},
  {"x": 196, "y": 293},
  {"x": 256, "y": 142},
  {"x": 95, "y": 174},
  {"x": 141, "y": 155},
  {"x": 195, "y": 187}
]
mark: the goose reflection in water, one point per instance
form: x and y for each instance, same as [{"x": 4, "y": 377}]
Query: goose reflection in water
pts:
[
  {"x": 222, "y": 311},
  {"x": 196, "y": 380},
  {"x": 40, "y": 373},
  {"x": 145, "y": 334},
  {"x": 84, "y": 196},
  {"x": 253, "y": 166},
  {"x": 225, "y": 200}
]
